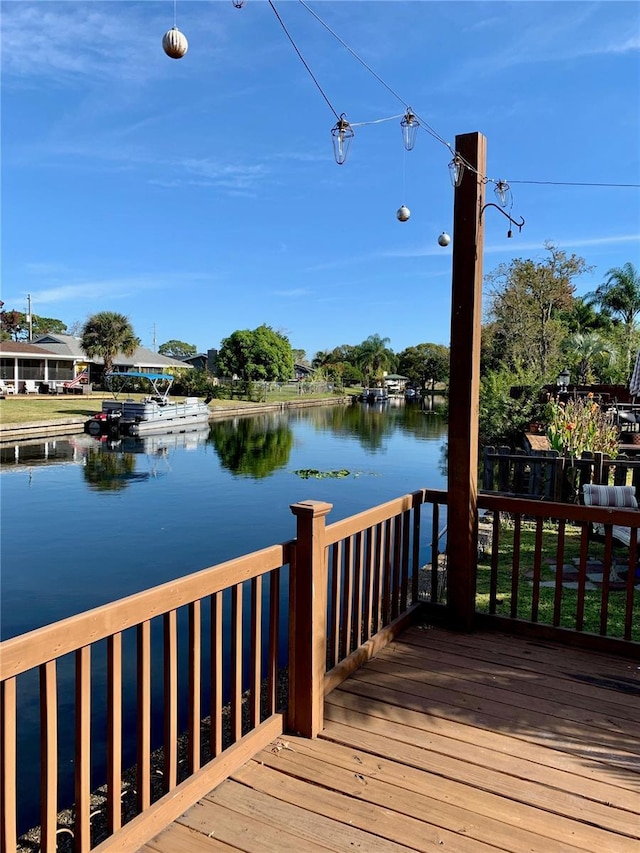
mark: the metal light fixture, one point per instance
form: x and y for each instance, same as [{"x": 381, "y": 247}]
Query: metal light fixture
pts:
[
  {"x": 444, "y": 239},
  {"x": 341, "y": 136},
  {"x": 238, "y": 3},
  {"x": 409, "y": 125},
  {"x": 456, "y": 170},
  {"x": 564, "y": 377},
  {"x": 503, "y": 192},
  {"x": 403, "y": 214}
]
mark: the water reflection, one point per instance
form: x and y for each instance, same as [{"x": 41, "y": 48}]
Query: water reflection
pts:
[{"x": 253, "y": 447}]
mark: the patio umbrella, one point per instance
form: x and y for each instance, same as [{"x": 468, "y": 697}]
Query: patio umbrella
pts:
[{"x": 634, "y": 382}]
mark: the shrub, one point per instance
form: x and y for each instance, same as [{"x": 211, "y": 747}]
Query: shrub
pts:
[{"x": 580, "y": 425}]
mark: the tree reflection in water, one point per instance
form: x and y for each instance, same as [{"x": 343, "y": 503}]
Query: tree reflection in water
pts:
[
  {"x": 108, "y": 471},
  {"x": 252, "y": 447}
]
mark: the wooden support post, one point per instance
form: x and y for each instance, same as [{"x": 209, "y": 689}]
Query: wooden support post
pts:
[
  {"x": 464, "y": 385},
  {"x": 308, "y": 620}
]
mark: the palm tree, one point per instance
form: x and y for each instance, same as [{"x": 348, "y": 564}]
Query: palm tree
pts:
[
  {"x": 619, "y": 296},
  {"x": 106, "y": 334},
  {"x": 374, "y": 357},
  {"x": 586, "y": 348}
]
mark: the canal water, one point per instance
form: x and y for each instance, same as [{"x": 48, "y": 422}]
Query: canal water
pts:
[{"x": 86, "y": 522}]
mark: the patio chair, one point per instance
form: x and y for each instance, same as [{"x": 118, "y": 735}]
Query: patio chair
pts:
[
  {"x": 620, "y": 497},
  {"x": 6, "y": 389},
  {"x": 30, "y": 386}
]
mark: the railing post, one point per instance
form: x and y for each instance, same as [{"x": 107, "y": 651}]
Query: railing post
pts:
[{"x": 308, "y": 619}]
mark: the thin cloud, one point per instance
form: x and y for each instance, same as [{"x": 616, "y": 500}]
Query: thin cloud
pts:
[{"x": 294, "y": 292}]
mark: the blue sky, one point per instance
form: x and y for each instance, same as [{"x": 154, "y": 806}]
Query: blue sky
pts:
[{"x": 200, "y": 195}]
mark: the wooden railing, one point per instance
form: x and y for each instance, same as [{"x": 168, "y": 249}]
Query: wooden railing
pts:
[
  {"x": 546, "y": 571},
  {"x": 205, "y": 658}
]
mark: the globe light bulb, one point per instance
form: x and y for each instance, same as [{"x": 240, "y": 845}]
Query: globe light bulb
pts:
[{"x": 444, "y": 239}]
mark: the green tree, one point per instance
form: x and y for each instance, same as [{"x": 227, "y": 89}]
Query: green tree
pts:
[
  {"x": 425, "y": 363},
  {"x": 525, "y": 306},
  {"x": 11, "y": 325},
  {"x": 584, "y": 351},
  {"x": 258, "y": 355},
  {"x": 177, "y": 349},
  {"x": 619, "y": 297},
  {"x": 106, "y": 334},
  {"x": 374, "y": 356},
  {"x": 14, "y": 325}
]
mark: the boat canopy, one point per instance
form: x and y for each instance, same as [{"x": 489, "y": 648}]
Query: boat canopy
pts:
[
  {"x": 154, "y": 378},
  {"x": 140, "y": 375}
]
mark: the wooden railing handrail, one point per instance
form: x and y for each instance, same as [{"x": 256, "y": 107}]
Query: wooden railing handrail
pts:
[
  {"x": 555, "y": 510},
  {"x": 383, "y": 512},
  {"x": 42, "y": 645}
]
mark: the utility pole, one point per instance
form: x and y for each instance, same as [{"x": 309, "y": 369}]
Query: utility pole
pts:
[
  {"x": 154, "y": 337},
  {"x": 464, "y": 384},
  {"x": 29, "y": 318}
]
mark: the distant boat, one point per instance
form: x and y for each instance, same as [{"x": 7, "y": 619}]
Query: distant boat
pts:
[
  {"x": 375, "y": 395},
  {"x": 153, "y": 414}
]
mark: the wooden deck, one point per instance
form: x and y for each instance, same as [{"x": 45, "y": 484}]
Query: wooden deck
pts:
[{"x": 450, "y": 742}]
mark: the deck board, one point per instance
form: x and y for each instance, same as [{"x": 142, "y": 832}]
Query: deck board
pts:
[{"x": 472, "y": 743}]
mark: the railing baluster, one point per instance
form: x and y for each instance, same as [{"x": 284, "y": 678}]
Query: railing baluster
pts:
[
  {"x": 557, "y": 596},
  {"x": 515, "y": 566},
  {"x": 8, "y": 830},
  {"x": 607, "y": 569},
  {"x": 82, "y": 827},
  {"x": 537, "y": 571},
  {"x": 397, "y": 558},
  {"x": 256, "y": 649},
  {"x": 379, "y": 579},
  {"x": 236, "y": 662},
  {"x": 358, "y": 563},
  {"x": 386, "y": 569},
  {"x": 48, "y": 757},
  {"x": 493, "y": 581},
  {"x": 435, "y": 554},
  {"x": 406, "y": 546},
  {"x": 114, "y": 732},
  {"x": 631, "y": 579},
  {"x": 415, "y": 559},
  {"x": 336, "y": 578},
  {"x": 194, "y": 699},
  {"x": 347, "y": 586},
  {"x": 582, "y": 576},
  {"x": 143, "y": 715},
  {"x": 215, "y": 732},
  {"x": 170, "y": 770},
  {"x": 274, "y": 633},
  {"x": 369, "y": 579}
]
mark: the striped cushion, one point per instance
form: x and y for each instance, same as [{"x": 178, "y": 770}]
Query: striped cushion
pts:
[{"x": 618, "y": 496}]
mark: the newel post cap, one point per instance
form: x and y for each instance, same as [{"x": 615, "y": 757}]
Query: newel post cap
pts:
[{"x": 315, "y": 509}]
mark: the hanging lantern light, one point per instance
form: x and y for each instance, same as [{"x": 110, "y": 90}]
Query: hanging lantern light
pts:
[
  {"x": 444, "y": 239},
  {"x": 409, "y": 125},
  {"x": 341, "y": 136},
  {"x": 174, "y": 43},
  {"x": 456, "y": 170},
  {"x": 403, "y": 214},
  {"x": 503, "y": 192}
]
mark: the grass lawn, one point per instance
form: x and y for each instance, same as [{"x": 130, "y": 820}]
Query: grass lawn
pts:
[
  {"x": 592, "y": 603},
  {"x": 24, "y": 408}
]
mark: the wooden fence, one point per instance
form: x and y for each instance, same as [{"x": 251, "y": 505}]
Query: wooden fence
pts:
[{"x": 548, "y": 476}]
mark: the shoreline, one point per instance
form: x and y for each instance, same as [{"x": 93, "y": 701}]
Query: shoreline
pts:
[{"x": 18, "y": 431}]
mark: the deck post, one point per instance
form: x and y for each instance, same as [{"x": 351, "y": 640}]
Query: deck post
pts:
[
  {"x": 464, "y": 383},
  {"x": 308, "y": 620}
]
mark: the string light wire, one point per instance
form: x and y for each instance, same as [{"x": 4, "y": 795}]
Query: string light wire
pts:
[
  {"x": 429, "y": 129},
  {"x": 301, "y": 58}
]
